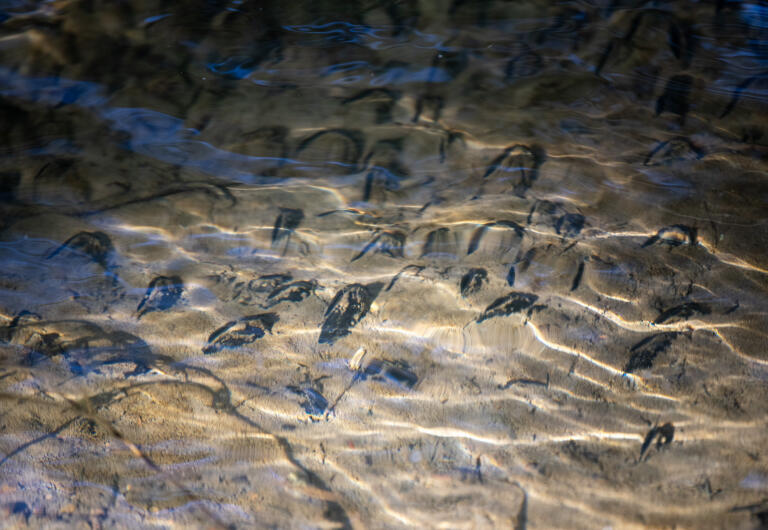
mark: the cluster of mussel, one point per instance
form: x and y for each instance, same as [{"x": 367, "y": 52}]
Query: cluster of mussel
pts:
[{"x": 86, "y": 346}]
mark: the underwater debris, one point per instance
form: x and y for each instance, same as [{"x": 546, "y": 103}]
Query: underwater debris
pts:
[{"x": 356, "y": 362}]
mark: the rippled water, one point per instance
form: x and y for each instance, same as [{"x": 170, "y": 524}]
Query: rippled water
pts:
[{"x": 383, "y": 264}]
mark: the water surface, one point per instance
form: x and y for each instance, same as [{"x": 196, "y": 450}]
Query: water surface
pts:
[{"x": 383, "y": 264}]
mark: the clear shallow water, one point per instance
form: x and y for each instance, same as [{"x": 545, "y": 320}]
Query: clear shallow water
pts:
[{"x": 484, "y": 264}]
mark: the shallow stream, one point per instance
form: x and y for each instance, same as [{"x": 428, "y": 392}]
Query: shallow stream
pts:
[{"x": 383, "y": 264}]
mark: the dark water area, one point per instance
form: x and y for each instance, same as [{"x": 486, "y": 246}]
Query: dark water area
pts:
[{"x": 383, "y": 264}]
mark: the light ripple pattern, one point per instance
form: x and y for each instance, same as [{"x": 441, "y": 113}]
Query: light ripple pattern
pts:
[{"x": 383, "y": 265}]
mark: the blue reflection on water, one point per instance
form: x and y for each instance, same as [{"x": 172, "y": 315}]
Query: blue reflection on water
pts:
[
  {"x": 236, "y": 67},
  {"x": 374, "y": 37},
  {"x": 402, "y": 75},
  {"x": 344, "y": 32},
  {"x": 149, "y": 20},
  {"x": 345, "y": 67},
  {"x": 50, "y": 90}
]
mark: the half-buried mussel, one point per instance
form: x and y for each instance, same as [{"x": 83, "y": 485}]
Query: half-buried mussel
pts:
[
  {"x": 674, "y": 236},
  {"x": 388, "y": 242},
  {"x": 473, "y": 281},
  {"x": 95, "y": 245},
  {"x": 514, "y": 302},
  {"x": 286, "y": 223},
  {"x": 162, "y": 294},
  {"x": 240, "y": 332},
  {"x": 518, "y": 166},
  {"x": 347, "y": 308},
  {"x": 291, "y": 292}
]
